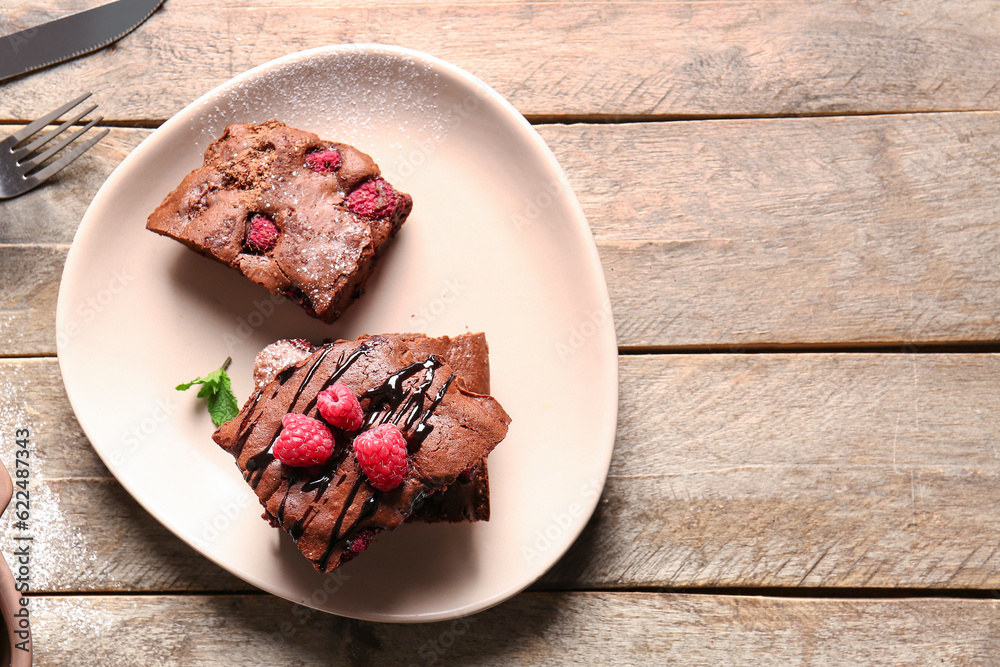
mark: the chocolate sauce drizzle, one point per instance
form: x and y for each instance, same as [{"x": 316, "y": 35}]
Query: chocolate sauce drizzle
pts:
[
  {"x": 336, "y": 535},
  {"x": 424, "y": 429},
  {"x": 242, "y": 432},
  {"x": 388, "y": 403},
  {"x": 260, "y": 461},
  {"x": 241, "y": 441}
]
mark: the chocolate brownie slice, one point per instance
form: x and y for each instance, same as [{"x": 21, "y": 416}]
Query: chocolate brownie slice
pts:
[
  {"x": 333, "y": 511},
  {"x": 468, "y": 497},
  {"x": 303, "y": 217}
]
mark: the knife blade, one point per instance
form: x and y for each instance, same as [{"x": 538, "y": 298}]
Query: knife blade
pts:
[{"x": 71, "y": 36}]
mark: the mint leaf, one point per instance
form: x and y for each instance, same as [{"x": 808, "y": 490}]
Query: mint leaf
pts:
[
  {"x": 222, "y": 405},
  {"x": 216, "y": 388}
]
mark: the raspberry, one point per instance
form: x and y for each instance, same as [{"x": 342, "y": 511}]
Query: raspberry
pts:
[
  {"x": 302, "y": 344},
  {"x": 339, "y": 407},
  {"x": 382, "y": 455},
  {"x": 323, "y": 161},
  {"x": 373, "y": 199},
  {"x": 263, "y": 234},
  {"x": 303, "y": 442},
  {"x": 361, "y": 541}
]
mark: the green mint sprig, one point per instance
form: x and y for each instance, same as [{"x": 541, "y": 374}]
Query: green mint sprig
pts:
[{"x": 217, "y": 389}]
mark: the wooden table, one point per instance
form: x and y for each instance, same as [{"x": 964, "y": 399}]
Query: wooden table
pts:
[{"x": 797, "y": 205}]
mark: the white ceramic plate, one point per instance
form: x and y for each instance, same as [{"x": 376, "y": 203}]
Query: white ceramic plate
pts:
[{"x": 496, "y": 243}]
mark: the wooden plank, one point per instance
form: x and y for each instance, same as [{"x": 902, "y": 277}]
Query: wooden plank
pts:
[
  {"x": 726, "y": 233},
  {"x": 29, "y": 286},
  {"x": 804, "y": 470},
  {"x": 874, "y": 177},
  {"x": 808, "y": 231},
  {"x": 32, "y": 397},
  {"x": 750, "y": 57},
  {"x": 532, "y": 629},
  {"x": 814, "y": 470}
]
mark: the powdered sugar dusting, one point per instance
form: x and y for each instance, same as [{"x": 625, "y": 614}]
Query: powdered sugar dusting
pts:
[
  {"x": 275, "y": 358},
  {"x": 12, "y": 401},
  {"x": 17, "y": 412},
  {"x": 59, "y": 549},
  {"x": 86, "y": 617},
  {"x": 381, "y": 101}
]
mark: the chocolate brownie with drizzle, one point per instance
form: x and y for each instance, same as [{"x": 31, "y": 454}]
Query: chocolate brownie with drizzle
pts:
[
  {"x": 301, "y": 216},
  {"x": 468, "y": 497},
  {"x": 332, "y": 511}
]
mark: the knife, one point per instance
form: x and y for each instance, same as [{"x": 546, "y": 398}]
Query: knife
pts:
[{"x": 71, "y": 36}]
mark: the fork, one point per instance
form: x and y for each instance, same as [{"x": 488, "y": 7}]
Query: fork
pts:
[{"x": 22, "y": 161}]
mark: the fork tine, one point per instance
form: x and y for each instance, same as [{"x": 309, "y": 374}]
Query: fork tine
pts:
[
  {"x": 63, "y": 162},
  {"x": 30, "y": 129},
  {"x": 37, "y": 161},
  {"x": 22, "y": 153}
]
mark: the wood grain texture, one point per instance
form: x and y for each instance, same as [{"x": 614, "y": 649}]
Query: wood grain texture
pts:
[
  {"x": 752, "y": 57},
  {"x": 32, "y": 396},
  {"x": 532, "y": 629},
  {"x": 803, "y": 470},
  {"x": 29, "y": 285},
  {"x": 788, "y": 471},
  {"x": 727, "y": 233},
  {"x": 842, "y": 470},
  {"x": 834, "y": 230}
]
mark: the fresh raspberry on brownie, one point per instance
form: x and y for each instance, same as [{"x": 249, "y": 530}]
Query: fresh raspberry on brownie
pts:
[
  {"x": 339, "y": 407},
  {"x": 301, "y": 216}
]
